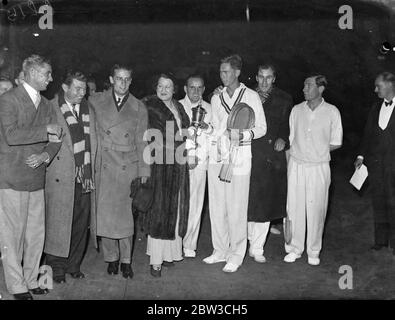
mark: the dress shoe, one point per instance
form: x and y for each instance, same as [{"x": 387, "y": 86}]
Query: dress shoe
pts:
[
  {"x": 168, "y": 264},
  {"x": 77, "y": 275},
  {"x": 313, "y": 261},
  {"x": 60, "y": 279},
  {"x": 156, "y": 272},
  {"x": 213, "y": 259},
  {"x": 23, "y": 296},
  {"x": 274, "y": 230},
  {"x": 113, "y": 267},
  {"x": 291, "y": 257},
  {"x": 188, "y": 253},
  {"x": 126, "y": 269},
  {"x": 230, "y": 267},
  {"x": 260, "y": 258},
  {"x": 39, "y": 291},
  {"x": 378, "y": 247}
]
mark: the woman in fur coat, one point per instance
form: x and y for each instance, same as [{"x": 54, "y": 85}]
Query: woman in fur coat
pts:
[{"x": 167, "y": 219}]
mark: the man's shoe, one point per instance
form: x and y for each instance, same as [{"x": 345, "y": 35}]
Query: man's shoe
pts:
[
  {"x": 213, "y": 259},
  {"x": 60, "y": 279},
  {"x": 230, "y": 267},
  {"x": 188, "y": 253},
  {"x": 77, "y": 275},
  {"x": 126, "y": 269},
  {"x": 157, "y": 273},
  {"x": 378, "y": 247},
  {"x": 291, "y": 257},
  {"x": 113, "y": 267},
  {"x": 23, "y": 296},
  {"x": 274, "y": 230},
  {"x": 313, "y": 261},
  {"x": 168, "y": 264},
  {"x": 39, "y": 291}
]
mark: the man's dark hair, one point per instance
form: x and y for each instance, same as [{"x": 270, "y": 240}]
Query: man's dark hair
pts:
[
  {"x": 320, "y": 80},
  {"x": 234, "y": 60},
  {"x": 267, "y": 66},
  {"x": 121, "y": 66},
  {"x": 74, "y": 74},
  {"x": 194, "y": 76},
  {"x": 387, "y": 77}
]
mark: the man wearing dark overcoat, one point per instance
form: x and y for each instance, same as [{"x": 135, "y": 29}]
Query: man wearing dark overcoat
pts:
[
  {"x": 268, "y": 186},
  {"x": 69, "y": 187},
  {"x": 377, "y": 152},
  {"x": 121, "y": 124}
]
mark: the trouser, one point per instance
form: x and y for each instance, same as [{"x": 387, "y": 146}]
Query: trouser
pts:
[
  {"x": 22, "y": 232},
  {"x": 257, "y": 234},
  {"x": 383, "y": 198},
  {"x": 228, "y": 204},
  {"x": 197, "y": 178},
  {"x": 307, "y": 199},
  {"x": 117, "y": 249},
  {"x": 79, "y": 236}
]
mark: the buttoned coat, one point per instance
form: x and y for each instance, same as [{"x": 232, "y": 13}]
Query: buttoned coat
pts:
[
  {"x": 59, "y": 187},
  {"x": 119, "y": 161}
]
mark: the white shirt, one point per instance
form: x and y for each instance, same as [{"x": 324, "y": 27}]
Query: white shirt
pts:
[
  {"x": 33, "y": 94},
  {"x": 312, "y": 132},
  {"x": 385, "y": 113},
  {"x": 77, "y": 108}
]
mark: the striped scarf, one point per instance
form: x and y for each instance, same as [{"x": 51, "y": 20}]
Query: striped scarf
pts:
[
  {"x": 80, "y": 137},
  {"x": 264, "y": 95}
]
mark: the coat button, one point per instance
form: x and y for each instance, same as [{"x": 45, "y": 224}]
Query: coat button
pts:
[
  {"x": 108, "y": 132},
  {"x": 123, "y": 167},
  {"x": 57, "y": 180},
  {"x": 58, "y": 157},
  {"x": 126, "y": 135}
]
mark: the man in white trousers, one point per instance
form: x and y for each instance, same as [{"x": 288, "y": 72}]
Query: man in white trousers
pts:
[
  {"x": 194, "y": 89},
  {"x": 315, "y": 131},
  {"x": 228, "y": 202}
]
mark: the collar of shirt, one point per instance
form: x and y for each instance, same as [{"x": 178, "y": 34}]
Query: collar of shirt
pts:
[
  {"x": 393, "y": 100},
  {"x": 33, "y": 93},
  {"x": 307, "y": 106},
  {"x": 241, "y": 86},
  {"x": 77, "y": 107},
  {"x": 119, "y": 97}
]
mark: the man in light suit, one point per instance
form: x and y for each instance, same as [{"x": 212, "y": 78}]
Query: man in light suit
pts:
[
  {"x": 28, "y": 123},
  {"x": 194, "y": 89},
  {"x": 121, "y": 124},
  {"x": 69, "y": 187},
  {"x": 377, "y": 151}
]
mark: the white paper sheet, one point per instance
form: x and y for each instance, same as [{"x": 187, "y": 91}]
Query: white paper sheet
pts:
[{"x": 359, "y": 177}]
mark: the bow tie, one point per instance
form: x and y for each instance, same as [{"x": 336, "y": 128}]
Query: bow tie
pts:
[{"x": 387, "y": 104}]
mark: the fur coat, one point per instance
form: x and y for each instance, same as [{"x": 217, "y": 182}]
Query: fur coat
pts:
[{"x": 170, "y": 181}]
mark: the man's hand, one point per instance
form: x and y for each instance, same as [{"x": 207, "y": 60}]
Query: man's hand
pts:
[
  {"x": 279, "y": 145},
  {"x": 228, "y": 133},
  {"x": 36, "y": 160},
  {"x": 54, "y": 129},
  {"x": 217, "y": 90},
  {"x": 144, "y": 179},
  {"x": 358, "y": 163},
  {"x": 203, "y": 125}
]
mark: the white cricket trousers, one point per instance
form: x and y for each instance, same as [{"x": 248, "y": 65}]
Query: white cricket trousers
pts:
[
  {"x": 228, "y": 204},
  {"x": 257, "y": 235},
  {"x": 197, "y": 185},
  {"x": 307, "y": 201}
]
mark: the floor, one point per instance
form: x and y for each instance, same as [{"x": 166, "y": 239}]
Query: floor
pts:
[{"x": 347, "y": 239}]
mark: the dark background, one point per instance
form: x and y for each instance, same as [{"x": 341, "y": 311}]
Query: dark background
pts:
[{"x": 184, "y": 37}]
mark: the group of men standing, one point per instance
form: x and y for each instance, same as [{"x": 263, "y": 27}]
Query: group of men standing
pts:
[{"x": 84, "y": 155}]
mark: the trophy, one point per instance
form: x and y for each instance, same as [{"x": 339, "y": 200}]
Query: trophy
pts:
[{"x": 198, "y": 114}]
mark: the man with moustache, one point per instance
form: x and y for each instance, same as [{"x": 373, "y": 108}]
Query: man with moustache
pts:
[
  {"x": 28, "y": 128},
  {"x": 194, "y": 90},
  {"x": 377, "y": 151},
  {"x": 269, "y": 165},
  {"x": 121, "y": 124},
  {"x": 315, "y": 131},
  {"x": 228, "y": 202},
  {"x": 69, "y": 187}
]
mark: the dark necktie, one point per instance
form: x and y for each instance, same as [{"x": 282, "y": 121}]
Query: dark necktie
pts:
[
  {"x": 387, "y": 104},
  {"x": 74, "y": 110}
]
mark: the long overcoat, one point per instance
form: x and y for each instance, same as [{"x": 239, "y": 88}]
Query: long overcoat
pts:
[
  {"x": 59, "y": 188},
  {"x": 119, "y": 161},
  {"x": 268, "y": 184}
]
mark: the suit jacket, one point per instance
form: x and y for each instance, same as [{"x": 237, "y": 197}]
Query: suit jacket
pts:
[
  {"x": 59, "y": 187},
  {"x": 23, "y": 133},
  {"x": 368, "y": 144},
  {"x": 119, "y": 161}
]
